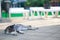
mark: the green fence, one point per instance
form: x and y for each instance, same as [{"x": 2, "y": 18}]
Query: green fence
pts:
[
  {"x": 16, "y": 14},
  {"x": 50, "y": 14},
  {"x": 59, "y": 13},
  {"x": 36, "y": 13},
  {"x": 41, "y": 13},
  {"x": 4, "y": 15}
]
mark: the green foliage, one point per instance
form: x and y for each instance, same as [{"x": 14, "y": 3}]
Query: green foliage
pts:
[{"x": 35, "y": 3}]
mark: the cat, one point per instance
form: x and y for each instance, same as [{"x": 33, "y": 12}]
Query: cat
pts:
[{"x": 17, "y": 28}]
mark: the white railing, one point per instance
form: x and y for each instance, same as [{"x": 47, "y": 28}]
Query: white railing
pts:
[{"x": 37, "y": 10}]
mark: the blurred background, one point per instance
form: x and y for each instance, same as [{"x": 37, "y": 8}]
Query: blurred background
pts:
[
  {"x": 5, "y": 4},
  {"x": 26, "y": 4}
]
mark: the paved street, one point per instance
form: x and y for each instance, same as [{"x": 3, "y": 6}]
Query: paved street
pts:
[
  {"x": 48, "y": 30},
  {"x": 43, "y": 33}
]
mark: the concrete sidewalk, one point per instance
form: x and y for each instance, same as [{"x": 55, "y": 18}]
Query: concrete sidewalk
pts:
[{"x": 34, "y": 23}]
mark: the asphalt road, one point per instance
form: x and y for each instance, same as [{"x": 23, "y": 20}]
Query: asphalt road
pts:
[{"x": 43, "y": 33}]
